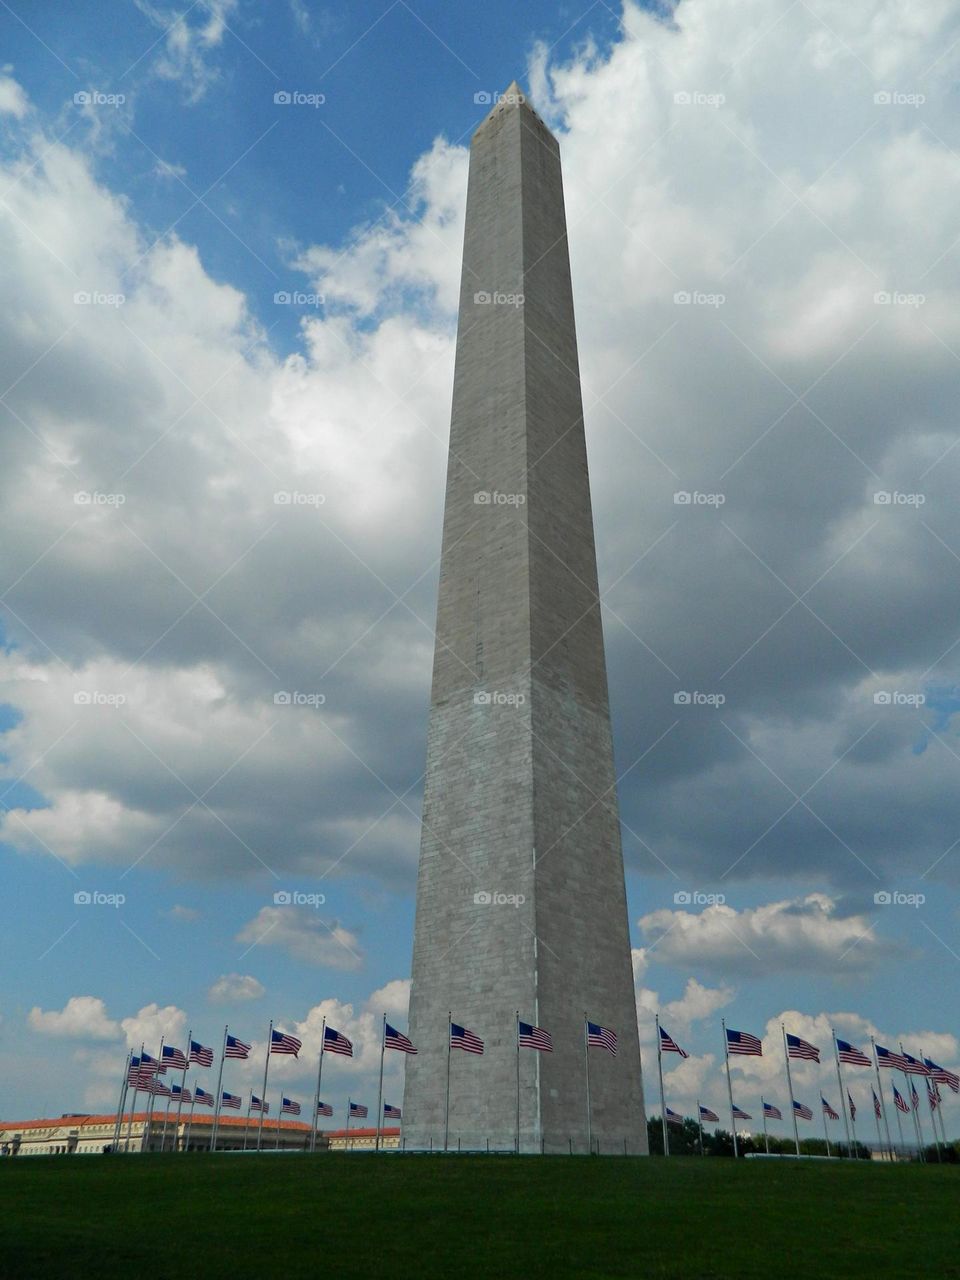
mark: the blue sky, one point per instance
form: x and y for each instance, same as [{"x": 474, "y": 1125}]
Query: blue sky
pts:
[{"x": 201, "y": 197}]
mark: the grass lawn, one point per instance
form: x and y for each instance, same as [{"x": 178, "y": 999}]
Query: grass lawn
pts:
[{"x": 204, "y": 1217}]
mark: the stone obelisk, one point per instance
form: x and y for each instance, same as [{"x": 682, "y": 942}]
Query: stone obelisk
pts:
[{"x": 521, "y": 905}]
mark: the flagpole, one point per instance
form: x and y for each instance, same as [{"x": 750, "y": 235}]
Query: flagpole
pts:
[
  {"x": 276, "y": 1145},
  {"x": 826, "y": 1136},
  {"x": 246, "y": 1123},
  {"x": 914, "y": 1111},
  {"x": 266, "y": 1067},
  {"x": 899, "y": 1122},
  {"x": 349, "y": 1100},
  {"x": 586, "y": 1058},
  {"x": 663, "y": 1105},
  {"x": 193, "y": 1103},
  {"x": 183, "y": 1081},
  {"x": 518, "y": 1082},
  {"x": 883, "y": 1104},
  {"x": 843, "y": 1104},
  {"x": 148, "y": 1128},
  {"x": 933, "y": 1116},
  {"x": 123, "y": 1098},
  {"x": 878, "y": 1103},
  {"x": 166, "y": 1118},
  {"x": 133, "y": 1109},
  {"x": 699, "y": 1112},
  {"x": 726, "y": 1059},
  {"x": 446, "y": 1114},
  {"x": 763, "y": 1112},
  {"x": 216, "y": 1102},
  {"x": 854, "y": 1150},
  {"x": 793, "y": 1109},
  {"x": 316, "y": 1100},
  {"x": 383, "y": 1046}
]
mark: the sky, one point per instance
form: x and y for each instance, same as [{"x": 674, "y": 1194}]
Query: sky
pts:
[{"x": 231, "y": 238}]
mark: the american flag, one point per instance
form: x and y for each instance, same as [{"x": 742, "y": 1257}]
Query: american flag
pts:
[
  {"x": 899, "y": 1100},
  {"x": 828, "y": 1111},
  {"x": 887, "y": 1058},
  {"x": 394, "y": 1039},
  {"x": 876, "y": 1104},
  {"x": 801, "y": 1110},
  {"x": 797, "y": 1048},
  {"x": 288, "y": 1107},
  {"x": 159, "y": 1089},
  {"x": 334, "y": 1042},
  {"x": 185, "y": 1094},
  {"x": 133, "y": 1072},
  {"x": 324, "y": 1109},
  {"x": 942, "y": 1075},
  {"x": 359, "y": 1110},
  {"x": 933, "y": 1095},
  {"x": 205, "y": 1099},
  {"x": 173, "y": 1058},
  {"x": 771, "y": 1112},
  {"x": 914, "y": 1066},
  {"x": 848, "y": 1052},
  {"x": 281, "y": 1043},
  {"x": 914, "y": 1096},
  {"x": 200, "y": 1054},
  {"x": 530, "y": 1037},
  {"x": 672, "y": 1116},
  {"x": 258, "y": 1104},
  {"x": 852, "y": 1105},
  {"x": 707, "y": 1114},
  {"x": 148, "y": 1064},
  {"x": 461, "y": 1038},
  {"x": 236, "y": 1048},
  {"x": 601, "y": 1038},
  {"x": 740, "y": 1114},
  {"x": 744, "y": 1044},
  {"x": 231, "y": 1100},
  {"x": 391, "y": 1113},
  {"x": 669, "y": 1045}
]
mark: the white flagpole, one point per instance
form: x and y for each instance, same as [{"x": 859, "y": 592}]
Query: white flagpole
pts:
[
  {"x": 266, "y": 1067},
  {"x": 148, "y": 1127},
  {"x": 793, "y": 1109},
  {"x": 383, "y": 1045},
  {"x": 883, "y": 1102},
  {"x": 123, "y": 1099},
  {"x": 216, "y": 1102},
  {"x": 699, "y": 1119},
  {"x": 316, "y": 1100},
  {"x": 517, "y": 1024},
  {"x": 347, "y": 1144},
  {"x": 133, "y": 1109},
  {"x": 446, "y": 1114},
  {"x": 914, "y": 1111},
  {"x": 166, "y": 1118},
  {"x": 726, "y": 1059},
  {"x": 933, "y": 1115},
  {"x": 879, "y": 1135},
  {"x": 193, "y": 1103},
  {"x": 246, "y": 1123},
  {"x": 183, "y": 1081},
  {"x": 763, "y": 1112},
  {"x": 276, "y": 1145},
  {"x": 843, "y": 1100},
  {"x": 586, "y": 1058},
  {"x": 826, "y": 1136},
  {"x": 663, "y": 1105},
  {"x": 854, "y": 1151}
]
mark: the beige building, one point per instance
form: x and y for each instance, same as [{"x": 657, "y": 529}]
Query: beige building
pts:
[
  {"x": 361, "y": 1139},
  {"x": 90, "y": 1135}
]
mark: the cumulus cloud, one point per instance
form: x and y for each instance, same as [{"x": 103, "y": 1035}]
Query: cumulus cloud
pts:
[
  {"x": 305, "y": 936},
  {"x": 804, "y": 934},
  {"x": 184, "y": 48},
  {"x": 238, "y": 987},
  {"x": 81, "y": 1018},
  {"x": 13, "y": 99},
  {"x": 393, "y": 998},
  {"x": 152, "y": 1022}
]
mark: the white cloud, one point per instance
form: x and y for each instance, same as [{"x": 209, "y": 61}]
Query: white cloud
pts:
[
  {"x": 235, "y": 987},
  {"x": 185, "y": 47},
  {"x": 304, "y": 935},
  {"x": 13, "y": 99},
  {"x": 152, "y": 1022},
  {"x": 803, "y": 933},
  {"x": 182, "y": 914},
  {"x": 82, "y": 1018}
]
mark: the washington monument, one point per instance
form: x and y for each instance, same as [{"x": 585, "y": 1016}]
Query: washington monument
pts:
[{"x": 521, "y": 905}]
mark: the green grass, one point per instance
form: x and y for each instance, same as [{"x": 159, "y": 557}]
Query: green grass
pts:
[{"x": 206, "y": 1217}]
